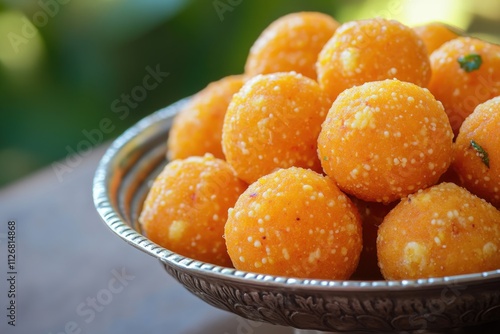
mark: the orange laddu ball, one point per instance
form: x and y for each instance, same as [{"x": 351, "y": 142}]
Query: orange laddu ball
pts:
[
  {"x": 465, "y": 73},
  {"x": 197, "y": 128},
  {"x": 273, "y": 122},
  {"x": 435, "y": 34},
  {"x": 294, "y": 222},
  {"x": 384, "y": 140},
  {"x": 476, "y": 156},
  {"x": 291, "y": 43},
  {"x": 186, "y": 207},
  {"x": 371, "y": 50},
  {"x": 440, "y": 231}
]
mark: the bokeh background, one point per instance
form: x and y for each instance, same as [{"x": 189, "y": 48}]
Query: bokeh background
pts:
[{"x": 72, "y": 71}]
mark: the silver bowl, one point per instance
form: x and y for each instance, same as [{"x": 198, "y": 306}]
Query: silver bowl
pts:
[{"x": 121, "y": 182}]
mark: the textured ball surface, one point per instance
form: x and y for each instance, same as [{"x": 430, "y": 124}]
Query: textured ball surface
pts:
[
  {"x": 197, "y": 128},
  {"x": 372, "y": 50},
  {"x": 273, "y": 122},
  {"x": 291, "y": 43},
  {"x": 384, "y": 140},
  {"x": 186, "y": 207},
  {"x": 477, "y": 152},
  {"x": 443, "y": 230},
  {"x": 435, "y": 34},
  {"x": 465, "y": 73},
  {"x": 295, "y": 222}
]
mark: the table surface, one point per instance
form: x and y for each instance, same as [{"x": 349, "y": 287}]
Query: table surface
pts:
[{"x": 75, "y": 276}]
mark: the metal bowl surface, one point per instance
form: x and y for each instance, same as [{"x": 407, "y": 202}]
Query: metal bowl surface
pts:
[{"x": 121, "y": 183}]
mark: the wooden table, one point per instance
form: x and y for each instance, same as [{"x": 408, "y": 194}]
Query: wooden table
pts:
[{"x": 73, "y": 275}]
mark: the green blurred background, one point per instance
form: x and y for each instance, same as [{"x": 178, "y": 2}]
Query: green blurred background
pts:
[{"x": 67, "y": 65}]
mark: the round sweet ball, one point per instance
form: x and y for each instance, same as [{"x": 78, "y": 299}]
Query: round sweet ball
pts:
[
  {"x": 476, "y": 157},
  {"x": 273, "y": 122},
  {"x": 295, "y": 222},
  {"x": 197, "y": 128},
  {"x": 440, "y": 231},
  {"x": 435, "y": 34},
  {"x": 291, "y": 43},
  {"x": 186, "y": 207},
  {"x": 371, "y": 50},
  {"x": 465, "y": 73},
  {"x": 384, "y": 140}
]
